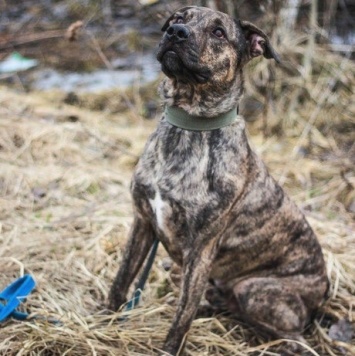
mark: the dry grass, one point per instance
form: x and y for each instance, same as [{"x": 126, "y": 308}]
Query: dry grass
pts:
[{"x": 65, "y": 210}]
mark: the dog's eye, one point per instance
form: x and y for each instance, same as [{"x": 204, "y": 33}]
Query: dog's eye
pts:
[
  {"x": 219, "y": 32},
  {"x": 179, "y": 19}
]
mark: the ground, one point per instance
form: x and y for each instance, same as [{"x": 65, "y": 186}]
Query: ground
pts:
[{"x": 65, "y": 211}]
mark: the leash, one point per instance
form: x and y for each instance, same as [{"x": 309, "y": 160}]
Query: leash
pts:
[
  {"x": 15, "y": 293},
  {"x": 143, "y": 279}
]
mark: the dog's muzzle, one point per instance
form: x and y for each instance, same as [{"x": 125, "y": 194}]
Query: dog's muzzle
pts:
[
  {"x": 179, "y": 56},
  {"x": 177, "y": 33}
]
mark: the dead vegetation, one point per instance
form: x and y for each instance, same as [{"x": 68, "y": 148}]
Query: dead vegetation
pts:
[{"x": 65, "y": 210}]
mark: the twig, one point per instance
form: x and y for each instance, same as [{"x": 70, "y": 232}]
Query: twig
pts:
[
  {"x": 73, "y": 29},
  {"x": 308, "y": 58},
  {"x": 110, "y": 68},
  {"x": 33, "y": 37},
  {"x": 99, "y": 51},
  {"x": 106, "y": 143},
  {"x": 346, "y": 180}
]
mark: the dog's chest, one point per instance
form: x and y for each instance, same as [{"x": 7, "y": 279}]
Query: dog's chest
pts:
[
  {"x": 161, "y": 210},
  {"x": 184, "y": 179},
  {"x": 178, "y": 182}
]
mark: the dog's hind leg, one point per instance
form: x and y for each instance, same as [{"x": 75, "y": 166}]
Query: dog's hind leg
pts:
[
  {"x": 139, "y": 243},
  {"x": 273, "y": 306}
]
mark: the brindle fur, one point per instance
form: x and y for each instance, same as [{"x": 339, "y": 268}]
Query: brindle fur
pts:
[{"x": 211, "y": 201}]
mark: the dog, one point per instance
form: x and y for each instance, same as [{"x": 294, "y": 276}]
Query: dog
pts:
[{"x": 204, "y": 194}]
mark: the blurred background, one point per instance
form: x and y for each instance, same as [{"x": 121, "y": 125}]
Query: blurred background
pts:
[
  {"x": 101, "y": 56},
  {"x": 111, "y": 45},
  {"x": 78, "y": 99}
]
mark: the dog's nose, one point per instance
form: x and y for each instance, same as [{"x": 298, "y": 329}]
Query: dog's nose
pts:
[{"x": 177, "y": 33}]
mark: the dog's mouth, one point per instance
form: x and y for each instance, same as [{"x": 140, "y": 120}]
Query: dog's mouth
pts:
[
  {"x": 171, "y": 61},
  {"x": 182, "y": 65}
]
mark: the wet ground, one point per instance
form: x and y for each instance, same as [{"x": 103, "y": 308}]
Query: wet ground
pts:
[
  {"x": 143, "y": 71},
  {"x": 110, "y": 51}
]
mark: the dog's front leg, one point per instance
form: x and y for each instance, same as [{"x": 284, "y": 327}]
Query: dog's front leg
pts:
[
  {"x": 196, "y": 268},
  {"x": 139, "y": 242}
]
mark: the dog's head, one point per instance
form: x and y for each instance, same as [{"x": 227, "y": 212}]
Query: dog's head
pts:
[{"x": 200, "y": 45}]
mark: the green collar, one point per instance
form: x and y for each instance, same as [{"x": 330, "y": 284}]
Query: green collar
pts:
[{"x": 180, "y": 118}]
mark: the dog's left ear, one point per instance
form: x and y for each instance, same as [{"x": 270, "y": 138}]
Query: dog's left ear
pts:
[{"x": 258, "y": 42}]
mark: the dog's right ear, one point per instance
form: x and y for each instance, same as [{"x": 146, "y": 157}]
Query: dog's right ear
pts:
[
  {"x": 167, "y": 22},
  {"x": 257, "y": 42}
]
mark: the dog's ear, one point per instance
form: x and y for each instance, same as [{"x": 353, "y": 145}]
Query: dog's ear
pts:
[
  {"x": 258, "y": 42},
  {"x": 167, "y": 22}
]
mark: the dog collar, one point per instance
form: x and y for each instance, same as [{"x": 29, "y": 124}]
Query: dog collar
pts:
[{"x": 180, "y": 118}]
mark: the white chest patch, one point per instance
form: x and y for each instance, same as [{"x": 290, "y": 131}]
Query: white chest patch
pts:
[{"x": 158, "y": 206}]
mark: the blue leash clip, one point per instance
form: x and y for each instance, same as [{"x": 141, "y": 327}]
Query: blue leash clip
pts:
[{"x": 13, "y": 295}]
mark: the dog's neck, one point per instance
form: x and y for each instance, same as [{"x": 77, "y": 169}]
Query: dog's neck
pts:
[{"x": 207, "y": 100}]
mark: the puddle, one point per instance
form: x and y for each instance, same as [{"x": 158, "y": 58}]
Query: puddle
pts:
[
  {"x": 343, "y": 39},
  {"x": 127, "y": 73}
]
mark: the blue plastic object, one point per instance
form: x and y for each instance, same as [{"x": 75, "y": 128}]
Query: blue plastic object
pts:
[{"x": 13, "y": 295}]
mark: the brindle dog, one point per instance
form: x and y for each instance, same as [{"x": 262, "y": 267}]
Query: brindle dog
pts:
[{"x": 211, "y": 201}]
